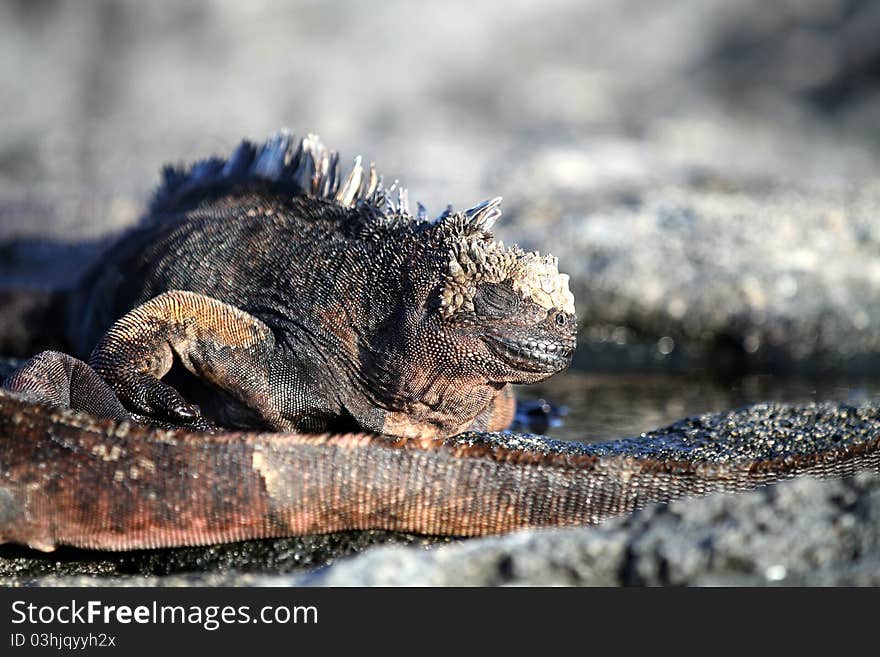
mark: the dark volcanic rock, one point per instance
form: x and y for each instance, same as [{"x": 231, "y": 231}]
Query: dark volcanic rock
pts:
[{"x": 19, "y": 565}]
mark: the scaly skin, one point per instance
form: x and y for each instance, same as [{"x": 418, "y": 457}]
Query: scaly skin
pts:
[{"x": 69, "y": 478}]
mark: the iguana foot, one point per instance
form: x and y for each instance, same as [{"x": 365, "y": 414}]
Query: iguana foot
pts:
[
  {"x": 218, "y": 343},
  {"x": 57, "y": 379},
  {"x": 54, "y": 378}
]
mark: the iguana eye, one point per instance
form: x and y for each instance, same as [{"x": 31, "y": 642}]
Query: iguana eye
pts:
[
  {"x": 560, "y": 319},
  {"x": 494, "y": 300}
]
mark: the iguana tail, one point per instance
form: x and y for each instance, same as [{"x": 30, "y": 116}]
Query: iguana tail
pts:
[{"x": 69, "y": 478}]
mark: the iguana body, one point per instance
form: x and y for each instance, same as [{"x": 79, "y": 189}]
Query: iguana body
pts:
[
  {"x": 315, "y": 303},
  {"x": 311, "y": 304}
]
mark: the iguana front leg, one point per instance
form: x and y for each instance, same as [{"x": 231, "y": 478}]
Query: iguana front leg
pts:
[{"x": 215, "y": 341}]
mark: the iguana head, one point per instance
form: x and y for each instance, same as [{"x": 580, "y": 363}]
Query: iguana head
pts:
[{"x": 511, "y": 312}]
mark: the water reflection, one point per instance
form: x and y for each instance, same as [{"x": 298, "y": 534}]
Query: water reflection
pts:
[{"x": 608, "y": 406}]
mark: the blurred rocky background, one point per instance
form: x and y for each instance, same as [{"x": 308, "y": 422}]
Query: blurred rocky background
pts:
[{"x": 705, "y": 169}]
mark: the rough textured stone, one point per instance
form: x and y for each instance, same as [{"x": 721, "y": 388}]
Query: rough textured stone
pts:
[{"x": 786, "y": 278}]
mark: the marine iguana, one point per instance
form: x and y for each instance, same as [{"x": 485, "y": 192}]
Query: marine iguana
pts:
[
  {"x": 317, "y": 303},
  {"x": 313, "y": 304}
]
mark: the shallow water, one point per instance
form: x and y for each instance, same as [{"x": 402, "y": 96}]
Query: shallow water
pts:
[{"x": 607, "y": 406}]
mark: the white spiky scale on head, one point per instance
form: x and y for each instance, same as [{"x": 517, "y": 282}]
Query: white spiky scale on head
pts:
[
  {"x": 538, "y": 278},
  {"x": 475, "y": 258},
  {"x": 484, "y": 215},
  {"x": 373, "y": 181}
]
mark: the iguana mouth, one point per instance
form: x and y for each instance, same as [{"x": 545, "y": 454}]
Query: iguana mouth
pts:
[{"x": 530, "y": 354}]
